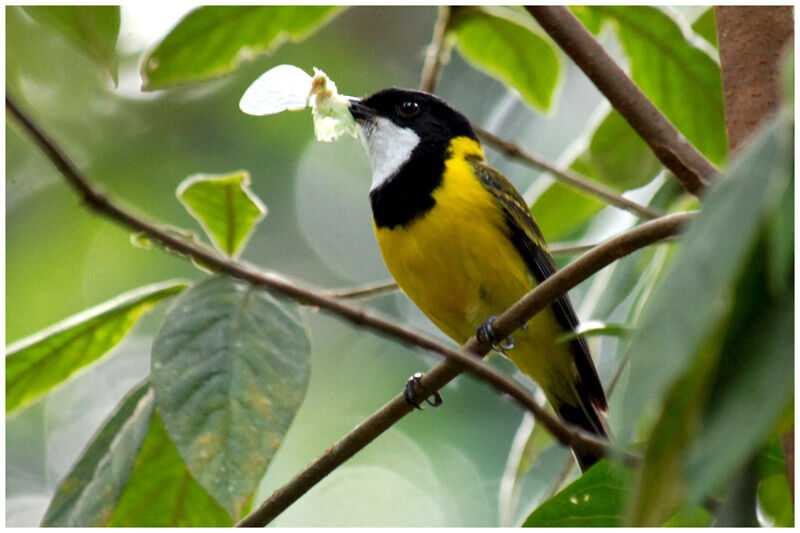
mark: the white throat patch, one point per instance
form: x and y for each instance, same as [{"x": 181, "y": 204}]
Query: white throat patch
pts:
[{"x": 388, "y": 145}]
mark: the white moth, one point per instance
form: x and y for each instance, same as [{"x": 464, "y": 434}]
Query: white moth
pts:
[{"x": 288, "y": 88}]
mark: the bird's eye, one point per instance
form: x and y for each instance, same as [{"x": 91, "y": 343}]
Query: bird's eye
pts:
[{"x": 408, "y": 109}]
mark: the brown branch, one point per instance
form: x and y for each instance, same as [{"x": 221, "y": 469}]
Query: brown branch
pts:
[
  {"x": 569, "y": 177},
  {"x": 369, "y": 290},
  {"x": 434, "y": 55},
  {"x": 676, "y": 153},
  {"x": 751, "y": 41}
]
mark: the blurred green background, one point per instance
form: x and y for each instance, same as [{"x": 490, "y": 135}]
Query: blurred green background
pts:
[{"x": 440, "y": 467}]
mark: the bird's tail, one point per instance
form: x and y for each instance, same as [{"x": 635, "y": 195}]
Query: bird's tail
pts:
[{"x": 587, "y": 416}]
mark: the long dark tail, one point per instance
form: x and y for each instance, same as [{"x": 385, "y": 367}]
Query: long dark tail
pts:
[{"x": 589, "y": 418}]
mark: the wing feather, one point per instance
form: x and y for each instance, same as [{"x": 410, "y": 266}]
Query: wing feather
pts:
[{"x": 530, "y": 243}]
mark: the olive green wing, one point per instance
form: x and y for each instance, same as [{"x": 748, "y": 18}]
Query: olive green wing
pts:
[{"x": 530, "y": 243}]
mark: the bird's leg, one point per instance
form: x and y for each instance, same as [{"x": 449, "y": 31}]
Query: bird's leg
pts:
[
  {"x": 485, "y": 334},
  {"x": 413, "y": 392}
]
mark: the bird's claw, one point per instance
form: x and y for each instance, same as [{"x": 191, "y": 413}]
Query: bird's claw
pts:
[
  {"x": 485, "y": 334},
  {"x": 414, "y": 391}
]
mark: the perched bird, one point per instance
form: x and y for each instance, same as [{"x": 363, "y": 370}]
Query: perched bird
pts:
[{"x": 462, "y": 244}]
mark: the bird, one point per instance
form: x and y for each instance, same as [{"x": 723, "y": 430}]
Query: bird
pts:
[{"x": 462, "y": 244}]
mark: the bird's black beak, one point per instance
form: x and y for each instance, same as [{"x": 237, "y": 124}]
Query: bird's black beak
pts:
[{"x": 359, "y": 111}]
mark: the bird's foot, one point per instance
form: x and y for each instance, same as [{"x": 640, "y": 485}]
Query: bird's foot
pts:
[
  {"x": 485, "y": 334},
  {"x": 414, "y": 392}
]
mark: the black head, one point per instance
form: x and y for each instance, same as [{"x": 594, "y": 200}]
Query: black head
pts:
[{"x": 430, "y": 117}]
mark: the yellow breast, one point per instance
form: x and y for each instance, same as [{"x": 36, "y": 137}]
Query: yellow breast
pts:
[{"x": 456, "y": 261}]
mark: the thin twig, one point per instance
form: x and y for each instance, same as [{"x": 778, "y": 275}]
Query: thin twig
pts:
[
  {"x": 569, "y": 177},
  {"x": 435, "y": 52},
  {"x": 369, "y": 290},
  {"x": 676, "y": 153},
  {"x": 380, "y": 288}
]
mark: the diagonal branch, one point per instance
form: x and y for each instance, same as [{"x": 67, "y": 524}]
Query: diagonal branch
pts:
[
  {"x": 676, "y": 153},
  {"x": 569, "y": 177}
]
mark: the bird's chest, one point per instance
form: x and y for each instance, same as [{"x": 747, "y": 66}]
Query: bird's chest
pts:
[{"x": 456, "y": 261}]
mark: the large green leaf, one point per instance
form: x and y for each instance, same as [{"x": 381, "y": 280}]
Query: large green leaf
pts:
[
  {"x": 92, "y": 29},
  {"x": 681, "y": 80},
  {"x": 618, "y": 156},
  {"x": 89, "y": 494},
  {"x": 213, "y": 41},
  {"x": 715, "y": 331},
  {"x": 36, "y": 364},
  {"x": 229, "y": 369},
  {"x": 224, "y": 206},
  {"x": 595, "y": 499},
  {"x": 661, "y": 483},
  {"x": 507, "y": 47},
  {"x": 757, "y": 361},
  {"x": 161, "y": 492},
  {"x": 695, "y": 294}
]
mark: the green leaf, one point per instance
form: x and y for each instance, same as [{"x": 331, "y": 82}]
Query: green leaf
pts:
[
  {"x": 590, "y": 18},
  {"x": 618, "y": 156},
  {"x": 89, "y": 494},
  {"x": 695, "y": 293},
  {"x": 224, "y": 206},
  {"x": 681, "y": 80},
  {"x": 38, "y": 363},
  {"x": 162, "y": 493},
  {"x": 771, "y": 460},
  {"x": 213, "y": 41},
  {"x": 775, "y": 500},
  {"x": 757, "y": 362},
  {"x": 595, "y": 499},
  {"x": 706, "y": 27},
  {"x": 508, "y": 47},
  {"x": 596, "y": 328},
  {"x": 229, "y": 369},
  {"x": 694, "y": 517},
  {"x": 91, "y": 29},
  {"x": 662, "y": 481},
  {"x": 561, "y": 211}
]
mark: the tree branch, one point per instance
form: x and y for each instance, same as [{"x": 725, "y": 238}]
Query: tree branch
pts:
[
  {"x": 569, "y": 177},
  {"x": 751, "y": 40},
  {"x": 670, "y": 146},
  {"x": 435, "y": 51}
]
